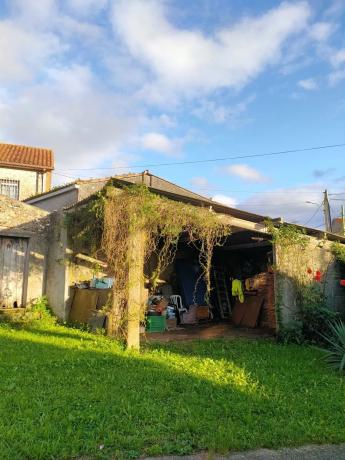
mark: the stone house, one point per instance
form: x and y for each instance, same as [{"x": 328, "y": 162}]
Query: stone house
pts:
[
  {"x": 35, "y": 258},
  {"x": 24, "y": 234},
  {"x": 25, "y": 171}
]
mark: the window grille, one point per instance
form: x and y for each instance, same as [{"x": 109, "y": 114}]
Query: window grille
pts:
[{"x": 9, "y": 188}]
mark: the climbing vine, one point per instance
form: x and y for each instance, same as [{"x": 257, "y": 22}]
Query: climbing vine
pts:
[
  {"x": 85, "y": 225},
  {"x": 338, "y": 251},
  {"x": 291, "y": 244},
  {"x": 299, "y": 285},
  {"x": 116, "y": 216}
]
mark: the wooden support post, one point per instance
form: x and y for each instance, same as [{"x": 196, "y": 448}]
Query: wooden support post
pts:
[
  {"x": 136, "y": 258},
  {"x": 114, "y": 317}
]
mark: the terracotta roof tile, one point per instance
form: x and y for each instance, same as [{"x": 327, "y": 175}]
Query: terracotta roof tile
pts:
[{"x": 26, "y": 157}]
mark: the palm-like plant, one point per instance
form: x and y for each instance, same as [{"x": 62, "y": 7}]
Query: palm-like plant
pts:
[{"x": 335, "y": 353}]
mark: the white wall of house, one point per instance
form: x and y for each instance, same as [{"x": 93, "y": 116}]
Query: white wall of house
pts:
[
  {"x": 30, "y": 182},
  {"x": 56, "y": 200}
]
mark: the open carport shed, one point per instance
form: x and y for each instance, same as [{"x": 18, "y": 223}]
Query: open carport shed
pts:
[{"x": 246, "y": 255}]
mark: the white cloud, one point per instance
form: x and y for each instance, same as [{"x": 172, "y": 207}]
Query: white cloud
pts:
[
  {"x": 23, "y": 50},
  {"x": 167, "y": 120},
  {"x": 35, "y": 12},
  {"x": 190, "y": 60},
  {"x": 224, "y": 199},
  {"x": 335, "y": 9},
  {"x": 87, "y": 7},
  {"x": 36, "y": 35},
  {"x": 338, "y": 57},
  {"x": 221, "y": 113},
  {"x": 288, "y": 203},
  {"x": 336, "y": 77},
  {"x": 200, "y": 182},
  {"x": 309, "y": 84},
  {"x": 160, "y": 143},
  {"x": 321, "y": 31},
  {"x": 69, "y": 113},
  {"x": 245, "y": 172}
]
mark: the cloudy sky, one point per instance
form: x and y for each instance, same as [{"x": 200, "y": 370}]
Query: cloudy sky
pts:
[{"x": 123, "y": 84}]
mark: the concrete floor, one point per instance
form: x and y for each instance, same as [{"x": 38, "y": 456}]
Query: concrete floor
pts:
[{"x": 206, "y": 331}]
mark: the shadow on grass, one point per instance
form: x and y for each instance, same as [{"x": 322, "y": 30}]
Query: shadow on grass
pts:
[
  {"x": 62, "y": 403},
  {"x": 61, "y": 332}
]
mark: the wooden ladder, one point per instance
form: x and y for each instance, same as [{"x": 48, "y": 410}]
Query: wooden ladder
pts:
[{"x": 222, "y": 293}]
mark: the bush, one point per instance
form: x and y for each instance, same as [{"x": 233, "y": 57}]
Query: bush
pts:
[
  {"x": 38, "y": 312},
  {"x": 313, "y": 319},
  {"x": 292, "y": 333},
  {"x": 335, "y": 354},
  {"x": 314, "y": 315},
  {"x": 316, "y": 323}
]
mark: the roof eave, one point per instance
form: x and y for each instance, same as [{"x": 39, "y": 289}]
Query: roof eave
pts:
[
  {"x": 52, "y": 193},
  {"x": 4, "y": 164}
]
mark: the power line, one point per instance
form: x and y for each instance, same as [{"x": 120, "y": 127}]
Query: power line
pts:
[
  {"x": 213, "y": 160},
  {"x": 211, "y": 189},
  {"x": 64, "y": 175},
  {"x": 216, "y": 189},
  {"x": 314, "y": 214},
  {"x": 260, "y": 205}
]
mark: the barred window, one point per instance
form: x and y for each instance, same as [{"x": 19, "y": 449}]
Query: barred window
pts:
[{"x": 9, "y": 188}]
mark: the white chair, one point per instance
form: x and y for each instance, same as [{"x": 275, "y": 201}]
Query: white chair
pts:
[{"x": 176, "y": 300}]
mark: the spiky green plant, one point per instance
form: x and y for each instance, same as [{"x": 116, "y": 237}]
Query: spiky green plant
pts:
[{"x": 335, "y": 353}]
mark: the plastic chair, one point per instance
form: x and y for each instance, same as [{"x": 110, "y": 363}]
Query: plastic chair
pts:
[{"x": 176, "y": 300}]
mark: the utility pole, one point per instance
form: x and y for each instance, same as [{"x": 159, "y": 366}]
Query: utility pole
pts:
[
  {"x": 343, "y": 219},
  {"x": 327, "y": 212}
]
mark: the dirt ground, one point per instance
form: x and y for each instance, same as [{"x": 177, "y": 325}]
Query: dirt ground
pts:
[{"x": 206, "y": 332}]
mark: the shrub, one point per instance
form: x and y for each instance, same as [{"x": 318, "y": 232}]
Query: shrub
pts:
[
  {"x": 335, "y": 354},
  {"x": 38, "y": 312},
  {"x": 313, "y": 314},
  {"x": 292, "y": 333},
  {"x": 316, "y": 321}
]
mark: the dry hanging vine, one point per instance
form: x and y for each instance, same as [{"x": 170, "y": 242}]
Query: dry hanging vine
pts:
[
  {"x": 135, "y": 209},
  {"x": 121, "y": 214}
]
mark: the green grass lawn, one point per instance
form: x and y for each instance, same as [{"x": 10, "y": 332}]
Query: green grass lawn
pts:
[{"x": 66, "y": 393}]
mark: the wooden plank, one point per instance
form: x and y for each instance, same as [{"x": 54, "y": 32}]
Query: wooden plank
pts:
[
  {"x": 238, "y": 312},
  {"x": 253, "y": 307},
  {"x": 12, "y": 263},
  {"x": 84, "y": 302}
]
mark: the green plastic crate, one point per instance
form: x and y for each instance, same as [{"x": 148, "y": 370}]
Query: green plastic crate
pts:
[{"x": 155, "y": 323}]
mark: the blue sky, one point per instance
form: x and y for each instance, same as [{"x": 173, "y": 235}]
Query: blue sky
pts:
[{"x": 120, "y": 83}]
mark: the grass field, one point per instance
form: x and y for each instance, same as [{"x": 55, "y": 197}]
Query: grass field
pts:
[{"x": 65, "y": 393}]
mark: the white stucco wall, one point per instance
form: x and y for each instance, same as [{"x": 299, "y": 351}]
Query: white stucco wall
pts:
[{"x": 28, "y": 184}]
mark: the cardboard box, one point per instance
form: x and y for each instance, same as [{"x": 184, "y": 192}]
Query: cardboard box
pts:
[
  {"x": 202, "y": 312},
  {"x": 171, "y": 323}
]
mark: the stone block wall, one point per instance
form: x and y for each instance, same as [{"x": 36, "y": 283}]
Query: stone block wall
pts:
[
  {"x": 20, "y": 220},
  {"x": 293, "y": 264}
]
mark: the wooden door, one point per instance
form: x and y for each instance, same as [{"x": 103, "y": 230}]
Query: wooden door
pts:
[{"x": 13, "y": 253}]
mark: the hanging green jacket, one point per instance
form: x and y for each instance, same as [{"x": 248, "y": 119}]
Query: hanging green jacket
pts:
[{"x": 237, "y": 290}]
